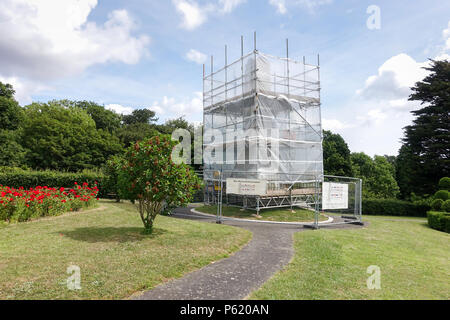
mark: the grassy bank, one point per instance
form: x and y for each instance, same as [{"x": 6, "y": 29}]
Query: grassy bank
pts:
[
  {"x": 115, "y": 259},
  {"x": 277, "y": 214},
  {"x": 332, "y": 264}
]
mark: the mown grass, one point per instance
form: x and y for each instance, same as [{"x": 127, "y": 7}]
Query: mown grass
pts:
[
  {"x": 332, "y": 264},
  {"x": 276, "y": 214},
  {"x": 115, "y": 258}
]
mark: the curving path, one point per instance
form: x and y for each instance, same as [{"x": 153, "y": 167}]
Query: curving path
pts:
[{"x": 237, "y": 276}]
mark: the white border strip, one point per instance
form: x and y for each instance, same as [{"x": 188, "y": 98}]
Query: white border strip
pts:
[{"x": 330, "y": 219}]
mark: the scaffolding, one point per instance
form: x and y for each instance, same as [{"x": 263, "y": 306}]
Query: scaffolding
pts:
[{"x": 262, "y": 121}]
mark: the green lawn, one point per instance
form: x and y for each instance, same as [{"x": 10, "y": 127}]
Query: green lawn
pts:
[
  {"x": 115, "y": 259},
  {"x": 332, "y": 264},
  {"x": 277, "y": 214}
]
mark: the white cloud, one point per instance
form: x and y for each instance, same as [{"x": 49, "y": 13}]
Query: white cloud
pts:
[
  {"x": 45, "y": 40},
  {"x": 280, "y": 5},
  {"x": 194, "y": 14},
  {"x": 310, "y": 5},
  {"x": 119, "y": 109},
  {"x": 381, "y": 109},
  {"x": 394, "y": 79},
  {"x": 446, "y": 36},
  {"x": 24, "y": 88},
  {"x": 333, "y": 124},
  {"x": 170, "y": 108},
  {"x": 229, "y": 5},
  {"x": 196, "y": 56}
]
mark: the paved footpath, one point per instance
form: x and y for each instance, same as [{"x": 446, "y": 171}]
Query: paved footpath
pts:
[{"x": 235, "y": 277}]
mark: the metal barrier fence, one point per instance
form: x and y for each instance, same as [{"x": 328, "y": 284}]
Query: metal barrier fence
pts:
[{"x": 322, "y": 194}]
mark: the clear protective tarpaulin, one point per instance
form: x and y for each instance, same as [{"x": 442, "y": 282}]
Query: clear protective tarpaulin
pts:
[{"x": 262, "y": 120}]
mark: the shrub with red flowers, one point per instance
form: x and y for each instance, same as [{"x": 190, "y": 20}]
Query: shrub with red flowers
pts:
[
  {"x": 149, "y": 177},
  {"x": 24, "y": 204}
]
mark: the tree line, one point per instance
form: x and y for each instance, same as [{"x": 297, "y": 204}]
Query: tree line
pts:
[{"x": 70, "y": 135}]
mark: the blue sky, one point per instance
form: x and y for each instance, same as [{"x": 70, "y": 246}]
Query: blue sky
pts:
[{"x": 134, "y": 54}]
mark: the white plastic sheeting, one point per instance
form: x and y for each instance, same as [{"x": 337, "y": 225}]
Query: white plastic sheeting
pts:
[{"x": 262, "y": 120}]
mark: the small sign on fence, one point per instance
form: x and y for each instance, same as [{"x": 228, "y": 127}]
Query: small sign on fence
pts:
[
  {"x": 334, "y": 195},
  {"x": 246, "y": 187}
]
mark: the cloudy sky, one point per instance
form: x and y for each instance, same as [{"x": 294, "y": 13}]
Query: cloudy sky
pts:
[{"x": 130, "y": 54}]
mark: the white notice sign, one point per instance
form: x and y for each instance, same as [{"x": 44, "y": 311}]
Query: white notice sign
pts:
[
  {"x": 334, "y": 195},
  {"x": 246, "y": 187}
]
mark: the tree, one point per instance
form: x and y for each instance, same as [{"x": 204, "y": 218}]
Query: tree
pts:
[
  {"x": 336, "y": 155},
  {"x": 60, "y": 136},
  {"x": 377, "y": 175},
  {"x": 150, "y": 177},
  {"x": 140, "y": 116},
  {"x": 171, "y": 125},
  {"x": 136, "y": 132},
  {"x": 7, "y": 90},
  {"x": 12, "y": 153},
  {"x": 425, "y": 155},
  {"x": 10, "y": 111},
  {"x": 104, "y": 119}
]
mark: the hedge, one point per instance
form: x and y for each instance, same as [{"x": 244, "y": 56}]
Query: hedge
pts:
[
  {"x": 439, "y": 221},
  {"x": 444, "y": 183},
  {"x": 15, "y": 178},
  {"x": 446, "y": 206},
  {"x": 436, "y": 204},
  {"x": 442, "y": 194},
  {"x": 393, "y": 207}
]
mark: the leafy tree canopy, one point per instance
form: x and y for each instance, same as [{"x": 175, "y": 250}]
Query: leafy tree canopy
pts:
[
  {"x": 104, "y": 119},
  {"x": 377, "y": 175},
  {"x": 12, "y": 153},
  {"x": 140, "y": 116},
  {"x": 10, "y": 111},
  {"x": 170, "y": 125},
  {"x": 336, "y": 155},
  {"x": 136, "y": 132},
  {"x": 60, "y": 136},
  {"x": 6, "y": 90}
]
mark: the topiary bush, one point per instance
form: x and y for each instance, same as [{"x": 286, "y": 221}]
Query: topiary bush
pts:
[
  {"x": 446, "y": 206},
  {"x": 441, "y": 194},
  {"x": 444, "y": 183},
  {"x": 439, "y": 221},
  {"x": 437, "y": 204}
]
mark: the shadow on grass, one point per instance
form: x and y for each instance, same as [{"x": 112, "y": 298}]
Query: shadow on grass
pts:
[{"x": 110, "y": 234}]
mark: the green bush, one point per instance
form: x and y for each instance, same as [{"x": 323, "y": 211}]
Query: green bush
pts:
[
  {"x": 442, "y": 194},
  {"x": 439, "y": 221},
  {"x": 394, "y": 207},
  {"x": 444, "y": 183},
  {"x": 446, "y": 206},
  {"x": 16, "y": 178},
  {"x": 437, "y": 204}
]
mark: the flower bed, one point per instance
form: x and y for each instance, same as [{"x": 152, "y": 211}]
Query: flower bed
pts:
[{"x": 24, "y": 204}]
